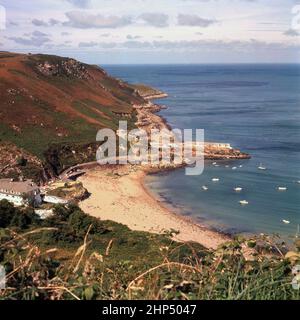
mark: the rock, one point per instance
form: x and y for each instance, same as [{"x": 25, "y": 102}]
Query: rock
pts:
[{"x": 69, "y": 68}]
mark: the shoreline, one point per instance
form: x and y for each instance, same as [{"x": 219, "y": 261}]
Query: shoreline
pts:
[
  {"x": 125, "y": 199},
  {"x": 171, "y": 208}
]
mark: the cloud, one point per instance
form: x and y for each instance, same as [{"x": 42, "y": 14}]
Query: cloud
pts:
[
  {"x": 83, "y": 20},
  {"x": 87, "y": 44},
  {"x": 53, "y": 22},
  {"x": 80, "y": 3},
  {"x": 39, "y": 23},
  {"x": 159, "y": 20},
  {"x": 130, "y": 37},
  {"x": 108, "y": 45},
  {"x": 292, "y": 33},
  {"x": 36, "y": 39},
  {"x": 13, "y": 24},
  {"x": 137, "y": 44},
  {"x": 193, "y": 20},
  {"x": 212, "y": 46}
]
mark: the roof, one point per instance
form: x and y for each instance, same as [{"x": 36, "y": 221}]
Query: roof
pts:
[{"x": 17, "y": 187}]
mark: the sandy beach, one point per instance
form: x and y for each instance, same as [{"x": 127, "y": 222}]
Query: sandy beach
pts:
[{"x": 118, "y": 194}]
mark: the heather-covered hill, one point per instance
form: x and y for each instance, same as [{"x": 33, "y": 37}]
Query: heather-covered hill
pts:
[{"x": 48, "y": 101}]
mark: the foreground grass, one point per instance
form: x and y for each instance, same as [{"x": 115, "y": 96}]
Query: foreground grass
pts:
[{"x": 75, "y": 256}]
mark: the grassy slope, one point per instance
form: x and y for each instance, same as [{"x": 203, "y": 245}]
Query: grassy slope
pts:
[{"x": 37, "y": 109}]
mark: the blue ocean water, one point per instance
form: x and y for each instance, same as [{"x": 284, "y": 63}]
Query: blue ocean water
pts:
[{"x": 255, "y": 108}]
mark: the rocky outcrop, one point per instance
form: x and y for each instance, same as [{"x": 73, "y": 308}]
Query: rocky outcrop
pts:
[
  {"x": 225, "y": 154},
  {"x": 148, "y": 120},
  {"x": 148, "y": 93},
  {"x": 68, "y": 67},
  {"x": 16, "y": 163}
]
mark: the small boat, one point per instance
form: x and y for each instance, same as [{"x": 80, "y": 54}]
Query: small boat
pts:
[
  {"x": 214, "y": 163},
  {"x": 215, "y": 179},
  {"x": 282, "y": 188},
  {"x": 244, "y": 202},
  {"x": 261, "y": 167},
  {"x": 234, "y": 168},
  {"x": 298, "y": 181},
  {"x": 227, "y": 166},
  {"x": 286, "y": 221},
  {"x": 189, "y": 161},
  {"x": 241, "y": 166},
  {"x": 238, "y": 189},
  {"x": 204, "y": 188}
]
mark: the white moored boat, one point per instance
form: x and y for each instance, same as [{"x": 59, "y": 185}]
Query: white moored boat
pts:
[
  {"x": 215, "y": 179},
  {"x": 282, "y": 188},
  {"x": 238, "y": 189},
  {"x": 261, "y": 167},
  {"x": 244, "y": 202},
  {"x": 204, "y": 188},
  {"x": 286, "y": 221}
]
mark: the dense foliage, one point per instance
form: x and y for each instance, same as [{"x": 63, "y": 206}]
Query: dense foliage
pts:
[{"x": 74, "y": 256}]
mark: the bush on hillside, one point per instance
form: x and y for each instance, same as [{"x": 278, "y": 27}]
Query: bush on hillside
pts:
[
  {"x": 72, "y": 224},
  {"x": 16, "y": 217}
]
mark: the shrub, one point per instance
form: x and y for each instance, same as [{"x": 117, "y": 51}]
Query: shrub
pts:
[
  {"x": 7, "y": 212},
  {"x": 16, "y": 217},
  {"x": 72, "y": 224},
  {"x": 22, "y": 162}
]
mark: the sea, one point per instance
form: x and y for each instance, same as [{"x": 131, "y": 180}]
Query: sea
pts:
[{"x": 254, "y": 107}]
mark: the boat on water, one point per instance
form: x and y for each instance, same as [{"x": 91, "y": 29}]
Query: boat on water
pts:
[
  {"x": 234, "y": 168},
  {"x": 204, "y": 188},
  {"x": 282, "y": 188},
  {"x": 261, "y": 167},
  {"x": 215, "y": 179},
  {"x": 244, "y": 202},
  {"x": 238, "y": 189},
  {"x": 214, "y": 163},
  {"x": 189, "y": 161},
  {"x": 286, "y": 221}
]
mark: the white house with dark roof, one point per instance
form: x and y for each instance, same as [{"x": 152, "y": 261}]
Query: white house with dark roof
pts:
[{"x": 20, "y": 192}]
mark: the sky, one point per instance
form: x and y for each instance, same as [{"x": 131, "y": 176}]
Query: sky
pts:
[{"x": 154, "y": 31}]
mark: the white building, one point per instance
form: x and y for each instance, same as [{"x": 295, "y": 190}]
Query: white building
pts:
[
  {"x": 20, "y": 192},
  {"x": 54, "y": 200}
]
